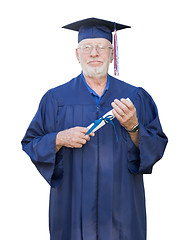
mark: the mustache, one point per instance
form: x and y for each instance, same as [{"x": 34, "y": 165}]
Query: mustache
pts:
[{"x": 94, "y": 60}]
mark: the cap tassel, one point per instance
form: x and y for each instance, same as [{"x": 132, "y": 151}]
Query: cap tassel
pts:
[{"x": 116, "y": 55}]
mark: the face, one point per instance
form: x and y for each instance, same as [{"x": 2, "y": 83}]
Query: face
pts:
[{"x": 95, "y": 63}]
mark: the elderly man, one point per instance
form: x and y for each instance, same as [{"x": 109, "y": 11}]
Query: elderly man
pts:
[{"x": 97, "y": 190}]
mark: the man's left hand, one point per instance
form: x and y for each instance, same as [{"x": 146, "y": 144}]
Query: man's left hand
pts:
[{"x": 125, "y": 112}]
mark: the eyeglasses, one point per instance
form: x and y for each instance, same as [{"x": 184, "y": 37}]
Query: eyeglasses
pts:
[{"x": 87, "y": 49}]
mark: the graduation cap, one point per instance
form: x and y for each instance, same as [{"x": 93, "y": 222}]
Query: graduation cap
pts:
[{"x": 98, "y": 28}]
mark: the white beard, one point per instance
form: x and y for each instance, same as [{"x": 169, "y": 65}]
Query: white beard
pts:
[{"x": 91, "y": 71}]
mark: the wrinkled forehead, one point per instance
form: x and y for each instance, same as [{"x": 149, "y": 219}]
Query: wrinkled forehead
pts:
[{"x": 95, "y": 41}]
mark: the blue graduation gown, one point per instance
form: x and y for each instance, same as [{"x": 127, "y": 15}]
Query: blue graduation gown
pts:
[{"x": 97, "y": 191}]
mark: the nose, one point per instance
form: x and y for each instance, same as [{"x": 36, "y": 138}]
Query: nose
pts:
[{"x": 94, "y": 51}]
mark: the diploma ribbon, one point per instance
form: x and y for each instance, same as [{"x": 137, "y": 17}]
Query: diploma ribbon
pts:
[{"x": 107, "y": 119}]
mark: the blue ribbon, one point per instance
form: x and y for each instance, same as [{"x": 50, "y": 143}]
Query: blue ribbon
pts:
[{"x": 107, "y": 119}]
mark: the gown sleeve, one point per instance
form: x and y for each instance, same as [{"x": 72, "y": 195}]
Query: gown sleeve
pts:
[
  {"x": 39, "y": 141},
  {"x": 152, "y": 140}
]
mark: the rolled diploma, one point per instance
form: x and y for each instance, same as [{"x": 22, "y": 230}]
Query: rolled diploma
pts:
[{"x": 103, "y": 122}]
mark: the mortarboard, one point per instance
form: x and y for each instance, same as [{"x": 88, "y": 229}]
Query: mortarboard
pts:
[{"x": 98, "y": 28}]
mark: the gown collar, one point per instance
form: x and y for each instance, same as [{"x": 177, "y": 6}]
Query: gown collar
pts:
[{"x": 96, "y": 97}]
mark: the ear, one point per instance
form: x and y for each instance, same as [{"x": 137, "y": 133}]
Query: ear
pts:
[
  {"x": 112, "y": 56},
  {"x": 77, "y": 55}
]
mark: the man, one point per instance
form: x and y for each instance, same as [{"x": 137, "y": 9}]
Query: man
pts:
[{"x": 97, "y": 190}]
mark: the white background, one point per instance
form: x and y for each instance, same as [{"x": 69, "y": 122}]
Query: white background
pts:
[{"x": 36, "y": 54}]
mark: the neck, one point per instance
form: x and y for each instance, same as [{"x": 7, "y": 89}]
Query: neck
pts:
[{"x": 98, "y": 84}]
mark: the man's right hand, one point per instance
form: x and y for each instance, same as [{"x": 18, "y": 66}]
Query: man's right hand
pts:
[{"x": 72, "y": 138}]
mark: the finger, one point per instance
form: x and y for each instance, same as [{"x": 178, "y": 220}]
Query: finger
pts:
[
  {"x": 119, "y": 107},
  {"x": 127, "y": 99},
  {"x": 122, "y": 106},
  {"x": 82, "y": 140},
  {"x": 78, "y": 145},
  {"x": 83, "y": 136},
  {"x": 117, "y": 115},
  {"x": 127, "y": 103},
  {"x": 80, "y": 133},
  {"x": 85, "y": 130},
  {"x": 92, "y": 134},
  {"x": 81, "y": 129}
]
